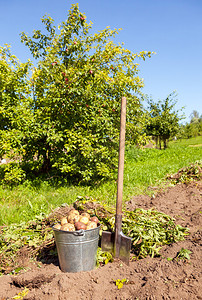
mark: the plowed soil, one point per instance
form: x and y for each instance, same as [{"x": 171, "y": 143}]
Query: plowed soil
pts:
[{"x": 164, "y": 277}]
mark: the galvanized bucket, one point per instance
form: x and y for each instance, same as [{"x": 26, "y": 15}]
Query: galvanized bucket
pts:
[{"x": 77, "y": 250}]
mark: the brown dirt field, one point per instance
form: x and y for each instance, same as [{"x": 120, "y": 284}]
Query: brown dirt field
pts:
[{"x": 148, "y": 278}]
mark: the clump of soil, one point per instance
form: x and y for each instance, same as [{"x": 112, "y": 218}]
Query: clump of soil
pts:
[{"x": 165, "y": 277}]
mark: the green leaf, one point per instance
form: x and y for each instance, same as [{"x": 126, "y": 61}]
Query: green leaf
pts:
[
  {"x": 120, "y": 285},
  {"x": 184, "y": 254},
  {"x": 21, "y": 294},
  {"x": 169, "y": 258},
  {"x": 120, "y": 282}
]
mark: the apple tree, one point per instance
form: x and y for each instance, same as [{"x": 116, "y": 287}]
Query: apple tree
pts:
[
  {"x": 75, "y": 94},
  {"x": 163, "y": 120}
]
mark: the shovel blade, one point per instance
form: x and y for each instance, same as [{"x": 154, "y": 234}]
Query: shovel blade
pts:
[{"x": 108, "y": 244}]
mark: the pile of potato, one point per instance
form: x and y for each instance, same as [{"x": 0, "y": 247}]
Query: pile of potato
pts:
[{"x": 75, "y": 221}]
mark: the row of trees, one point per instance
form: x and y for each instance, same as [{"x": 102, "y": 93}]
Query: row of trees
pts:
[{"x": 61, "y": 114}]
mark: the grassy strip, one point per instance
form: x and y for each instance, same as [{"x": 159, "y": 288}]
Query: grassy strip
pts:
[
  {"x": 149, "y": 167},
  {"x": 143, "y": 168}
]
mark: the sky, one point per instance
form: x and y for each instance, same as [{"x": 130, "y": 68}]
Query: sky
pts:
[{"x": 170, "y": 28}]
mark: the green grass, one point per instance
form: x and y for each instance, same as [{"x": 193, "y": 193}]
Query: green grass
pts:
[
  {"x": 26, "y": 201},
  {"x": 197, "y": 141},
  {"x": 149, "y": 166},
  {"x": 143, "y": 168}
]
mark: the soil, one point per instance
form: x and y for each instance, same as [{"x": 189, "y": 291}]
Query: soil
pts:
[{"x": 164, "y": 277}]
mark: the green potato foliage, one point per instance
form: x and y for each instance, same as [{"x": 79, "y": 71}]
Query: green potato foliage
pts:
[{"x": 75, "y": 92}]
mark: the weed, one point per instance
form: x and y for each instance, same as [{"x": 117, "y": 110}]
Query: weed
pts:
[
  {"x": 120, "y": 282},
  {"x": 184, "y": 254},
  {"x": 103, "y": 257},
  {"x": 21, "y": 294}
]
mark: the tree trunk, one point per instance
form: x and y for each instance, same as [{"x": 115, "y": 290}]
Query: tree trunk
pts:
[
  {"x": 159, "y": 142},
  {"x": 165, "y": 141},
  {"x": 156, "y": 141},
  {"x": 46, "y": 163},
  {"x": 45, "y": 152}
]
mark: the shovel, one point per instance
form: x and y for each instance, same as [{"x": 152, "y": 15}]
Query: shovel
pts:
[{"x": 116, "y": 242}]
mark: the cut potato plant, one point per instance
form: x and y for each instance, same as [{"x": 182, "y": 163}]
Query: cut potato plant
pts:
[{"x": 75, "y": 221}]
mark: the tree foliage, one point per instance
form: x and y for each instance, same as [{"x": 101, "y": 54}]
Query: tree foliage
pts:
[
  {"x": 193, "y": 128},
  {"x": 14, "y": 100},
  {"x": 69, "y": 119},
  {"x": 163, "y": 121},
  {"x": 15, "y": 111}
]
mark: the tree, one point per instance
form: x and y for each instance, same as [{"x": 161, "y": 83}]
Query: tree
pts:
[
  {"x": 194, "y": 116},
  {"x": 163, "y": 121},
  {"x": 194, "y": 128},
  {"x": 75, "y": 93}
]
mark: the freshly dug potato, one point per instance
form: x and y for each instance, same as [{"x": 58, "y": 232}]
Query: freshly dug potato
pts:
[
  {"x": 73, "y": 218},
  {"x": 91, "y": 225},
  {"x": 94, "y": 219},
  {"x": 84, "y": 214},
  {"x": 63, "y": 221},
  {"x": 76, "y": 218},
  {"x": 57, "y": 226},
  {"x": 68, "y": 227},
  {"x": 73, "y": 212},
  {"x": 84, "y": 219},
  {"x": 80, "y": 225}
]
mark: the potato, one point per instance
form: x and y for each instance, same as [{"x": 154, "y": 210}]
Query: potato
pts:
[
  {"x": 84, "y": 219},
  {"x": 57, "y": 226},
  {"x": 68, "y": 227},
  {"x": 63, "y": 221},
  {"x": 73, "y": 212},
  {"x": 80, "y": 225},
  {"x": 76, "y": 218},
  {"x": 91, "y": 225},
  {"x": 94, "y": 219},
  {"x": 73, "y": 218},
  {"x": 84, "y": 214}
]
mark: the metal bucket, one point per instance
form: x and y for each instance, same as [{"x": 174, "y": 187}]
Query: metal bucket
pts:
[{"x": 77, "y": 250}]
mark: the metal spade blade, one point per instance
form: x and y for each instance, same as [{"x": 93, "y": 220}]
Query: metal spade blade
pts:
[{"x": 116, "y": 242}]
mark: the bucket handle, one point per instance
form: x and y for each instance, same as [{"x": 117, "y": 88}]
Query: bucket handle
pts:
[{"x": 79, "y": 232}]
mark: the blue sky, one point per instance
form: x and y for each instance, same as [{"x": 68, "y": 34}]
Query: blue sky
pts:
[{"x": 171, "y": 28}]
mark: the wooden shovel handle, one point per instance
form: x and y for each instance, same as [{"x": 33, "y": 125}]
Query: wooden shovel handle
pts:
[{"x": 121, "y": 157}]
